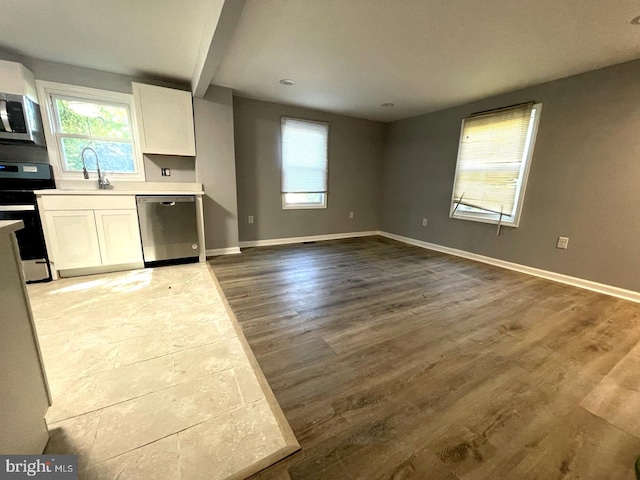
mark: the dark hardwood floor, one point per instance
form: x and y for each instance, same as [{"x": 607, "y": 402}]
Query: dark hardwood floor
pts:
[{"x": 395, "y": 362}]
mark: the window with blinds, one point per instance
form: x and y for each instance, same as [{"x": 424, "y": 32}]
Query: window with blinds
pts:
[
  {"x": 304, "y": 163},
  {"x": 493, "y": 163}
]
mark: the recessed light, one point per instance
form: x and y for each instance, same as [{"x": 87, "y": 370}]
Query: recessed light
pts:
[
  {"x": 387, "y": 105},
  {"x": 636, "y": 21},
  {"x": 287, "y": 81}
]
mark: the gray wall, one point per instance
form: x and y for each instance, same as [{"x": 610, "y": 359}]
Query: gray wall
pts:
[
  {"x": 215, "y": 166},
  {"x": 183, "y": 169},
  {"x": 85, "y": 77},
  {"x": 355, "y": 168},
  {"x": 584, "y": 181},
  {"x": 214, "y": 142},
  {"x": 58, "y": 72}
]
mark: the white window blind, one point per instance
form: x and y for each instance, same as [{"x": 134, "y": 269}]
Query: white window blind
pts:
[
  {"x": 493, "y": 157},
  {"x": 304, "y": 156}
]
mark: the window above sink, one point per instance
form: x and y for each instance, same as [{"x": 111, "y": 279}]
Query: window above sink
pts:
[{"x": 78, "y": 117}]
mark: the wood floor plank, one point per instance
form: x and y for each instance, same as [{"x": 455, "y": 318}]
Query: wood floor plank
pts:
[{"x": 395, "y": 362}]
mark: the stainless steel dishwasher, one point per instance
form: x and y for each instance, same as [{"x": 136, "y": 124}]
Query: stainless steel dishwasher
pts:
[{"x": 168, "y": 228}]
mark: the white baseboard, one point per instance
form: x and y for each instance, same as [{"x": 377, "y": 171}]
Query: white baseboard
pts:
[
  {"x": 214, "y": 252},
  {"x": 313, "y": 238},
  {"x": 537, "y": 272},
  {"x": 76, "y": 272}
]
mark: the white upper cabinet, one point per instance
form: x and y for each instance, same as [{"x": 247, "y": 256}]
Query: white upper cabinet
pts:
[
  {"x": 16, "y": 79},
  {"x": 165, "y": 120}
]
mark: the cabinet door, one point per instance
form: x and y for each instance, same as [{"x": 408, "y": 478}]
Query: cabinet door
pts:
[
  {"x": 119, "y": 236},
  {"x": 74, "y": 238},
  {"x": 165, "y": 120}
]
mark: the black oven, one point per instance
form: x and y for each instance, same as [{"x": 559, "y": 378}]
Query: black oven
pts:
[{"x": 18, "y": 181}]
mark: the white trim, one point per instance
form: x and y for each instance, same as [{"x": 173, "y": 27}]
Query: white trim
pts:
[
  {"x": 78, "y": 272},
  {"x": 536, "y": 272},
  {"x": 313, "y": 238},
  {"x": 45, "y": 91},
  {"x": 214, "y": 252},
  {"x": 303, "y": 206}
]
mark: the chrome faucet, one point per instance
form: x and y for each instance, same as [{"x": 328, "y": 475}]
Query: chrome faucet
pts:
[{"x": 103, "y": 182}]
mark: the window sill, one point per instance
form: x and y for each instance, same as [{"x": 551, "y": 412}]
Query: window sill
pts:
[
  {"x": 490, "y": 219},
  {"x": 303, "y": 207},
  {"x": 299, "y": 202}
]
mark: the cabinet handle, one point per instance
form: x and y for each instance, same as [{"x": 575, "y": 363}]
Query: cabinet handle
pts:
[
  {"x": 4, "y": 116},
  {"x": 168, "y": 204}
]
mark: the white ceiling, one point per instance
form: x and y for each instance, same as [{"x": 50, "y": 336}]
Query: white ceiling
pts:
[
  {"x": 347, "y": 56},
  {"x": 134, "y": 37}
]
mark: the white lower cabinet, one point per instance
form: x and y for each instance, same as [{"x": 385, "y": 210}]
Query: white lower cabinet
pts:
[
  {"x": 74, "y": 238},
  {"x": 93, "y": 238},
  {"x": 118, "y": 236}
]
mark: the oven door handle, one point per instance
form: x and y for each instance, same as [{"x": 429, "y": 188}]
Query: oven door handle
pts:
[
  {"x": 17, "y": 208},
  {"x": 4, "y": 116}
]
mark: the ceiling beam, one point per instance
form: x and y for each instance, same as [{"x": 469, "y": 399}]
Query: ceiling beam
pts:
[{"x": 222, "y": 22}]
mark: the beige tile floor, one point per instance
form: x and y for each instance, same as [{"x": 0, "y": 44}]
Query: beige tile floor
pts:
[{"x": 151, "y": 377}]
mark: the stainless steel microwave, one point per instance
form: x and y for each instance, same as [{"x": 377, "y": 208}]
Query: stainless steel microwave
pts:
[{"x": 20, "y": 120}]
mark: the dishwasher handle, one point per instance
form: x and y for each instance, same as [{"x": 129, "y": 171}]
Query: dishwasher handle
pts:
[{"x": 165, "y": 200}]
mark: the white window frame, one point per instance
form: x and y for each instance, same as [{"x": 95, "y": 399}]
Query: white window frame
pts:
[
  {"x": 303, "y": 206},
  {"x": 48, "y": 90},
  {"x": 298, "y": 206},
  {"x": 463, "y": 212}
]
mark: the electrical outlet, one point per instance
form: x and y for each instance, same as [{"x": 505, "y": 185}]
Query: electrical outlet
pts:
[
  {"x": 350, "y": 214},
  {"x": 166, "y": 172},
  {"x": 424, "y": 222},
  {"x": 563, "y": 243},
  {"x": 250, "y": 218}
]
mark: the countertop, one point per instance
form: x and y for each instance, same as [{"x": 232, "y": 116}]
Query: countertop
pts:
[
  {"x": 8, "y": 226},
  {"x": 83, "y": 187},
  {"x": 116, "y": 192}
]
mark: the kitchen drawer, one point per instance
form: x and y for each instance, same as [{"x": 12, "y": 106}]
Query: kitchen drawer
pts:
[{"x": 88, "y": 202}]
